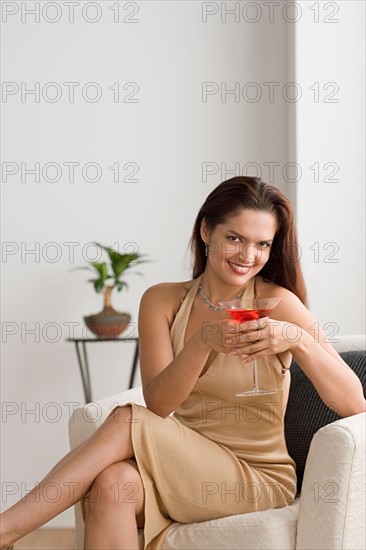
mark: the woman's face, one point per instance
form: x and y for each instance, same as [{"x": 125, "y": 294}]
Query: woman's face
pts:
[{"x": 239, "y": 248}]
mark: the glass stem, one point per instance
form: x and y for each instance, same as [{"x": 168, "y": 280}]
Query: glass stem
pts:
[{"x": 255, "y": 376}]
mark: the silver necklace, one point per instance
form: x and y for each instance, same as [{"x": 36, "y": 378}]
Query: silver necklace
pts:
[{"x": 210, "y": 304}]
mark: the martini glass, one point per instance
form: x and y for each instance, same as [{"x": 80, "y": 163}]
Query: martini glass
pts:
[{"x": 251, "y": 310}]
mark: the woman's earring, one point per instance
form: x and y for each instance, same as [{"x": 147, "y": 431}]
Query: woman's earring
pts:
[{"x": 206, "y": 249}]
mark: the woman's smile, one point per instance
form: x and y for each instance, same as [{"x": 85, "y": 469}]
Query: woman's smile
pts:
[{"x": 239, "y": 268}]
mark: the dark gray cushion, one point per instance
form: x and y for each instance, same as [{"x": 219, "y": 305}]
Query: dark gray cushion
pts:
[{"x": 306, "y": 413}]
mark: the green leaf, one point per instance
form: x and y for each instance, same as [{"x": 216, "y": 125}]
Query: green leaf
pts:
[
  {"x": 113, "y": 255},
  {"x": 120, "y": 285},
  {"x": 119, "y": 263},
  {"x": 98, "y": 285},
  {"x": 101, "y": 268},
  {"x": 120, "y": 266}
]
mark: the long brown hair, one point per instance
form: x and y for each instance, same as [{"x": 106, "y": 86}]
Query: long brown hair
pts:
[{"x": 283, "y": 266}]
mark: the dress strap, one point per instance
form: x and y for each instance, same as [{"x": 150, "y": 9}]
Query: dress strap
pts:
[{"x": 181, "y": 302}]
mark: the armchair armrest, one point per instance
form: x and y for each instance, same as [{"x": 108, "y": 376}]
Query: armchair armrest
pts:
[
  {"x": 332, "y": 504},
  {"x": 350, "y": 342},
  {"x": 85, "y": 420}
]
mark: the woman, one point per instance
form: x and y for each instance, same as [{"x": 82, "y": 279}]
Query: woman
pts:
[{"x": 217, "y": 454}]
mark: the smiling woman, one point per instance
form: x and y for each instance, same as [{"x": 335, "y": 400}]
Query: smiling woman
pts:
[
  {"x": 226, "y": 247},
  {"x": 192, "y": 360},
  {"x": 268, "y": 233}
]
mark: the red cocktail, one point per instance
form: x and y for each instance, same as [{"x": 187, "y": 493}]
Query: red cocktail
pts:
[
  {"x": 251, "y": 310},
  {"x": 244, "y": 315}
]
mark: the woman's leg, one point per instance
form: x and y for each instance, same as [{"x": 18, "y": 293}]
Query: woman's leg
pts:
[
  {"x": 115, "y": 508},
  {"x": 70, "y": 478}
]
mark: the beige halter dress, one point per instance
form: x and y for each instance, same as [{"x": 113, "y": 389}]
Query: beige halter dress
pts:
[{"x": 217, "y": 455}]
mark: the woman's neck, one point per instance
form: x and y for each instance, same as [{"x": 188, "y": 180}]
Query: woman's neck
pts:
[{"x": 218, "y": 291}]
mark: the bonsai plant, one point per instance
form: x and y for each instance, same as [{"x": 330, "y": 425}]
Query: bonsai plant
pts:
[{"x": 109, "y": 322}]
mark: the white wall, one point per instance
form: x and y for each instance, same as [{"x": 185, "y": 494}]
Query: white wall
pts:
[
  {"x": 170, "y": 133},
  {"x": 331, "y": 214},
  {"x": 173, "y": 136}
]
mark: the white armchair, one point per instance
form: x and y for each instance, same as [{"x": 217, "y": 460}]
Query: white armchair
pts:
[{"x": 329, "y": 514}]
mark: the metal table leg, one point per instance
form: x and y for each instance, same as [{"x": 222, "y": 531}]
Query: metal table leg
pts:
[
  {"x": 134, "y": 365},
  {"x": 84, "y": 370}
]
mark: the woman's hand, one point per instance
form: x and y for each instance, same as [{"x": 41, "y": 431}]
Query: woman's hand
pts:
[
  {"x": 213, "y": 335},
  {"x": 255, "y": 339}
]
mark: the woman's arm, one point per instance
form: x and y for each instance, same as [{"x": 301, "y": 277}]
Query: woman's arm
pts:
[
  {"x": 166, "y": 380},
  {"x": 336, "y": 383}
]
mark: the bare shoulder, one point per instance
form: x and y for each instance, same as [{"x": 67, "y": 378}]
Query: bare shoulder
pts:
[
  {"x": 166, "y": 297},
  {"x": 168, "y": 291},
  {"x": 289, "y": 301},
  {"x": 268, "y": 289},
  {"x": 290, "y": 309}
]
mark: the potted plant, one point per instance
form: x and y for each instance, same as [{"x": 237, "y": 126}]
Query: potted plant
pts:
[{"x": 109, "y": 323}]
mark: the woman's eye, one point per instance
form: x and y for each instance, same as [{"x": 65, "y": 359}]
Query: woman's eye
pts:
[
  {"x": 234, "y": 239},
  {"x": 264, "y": 245}
]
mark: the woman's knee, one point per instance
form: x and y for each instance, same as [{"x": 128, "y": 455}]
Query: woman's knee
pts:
[
  {"x": 119, "y": 417},
  {"x": 119, "y": 484},
  {"x": 116, "y": 430}
]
